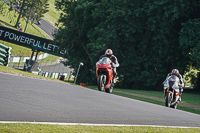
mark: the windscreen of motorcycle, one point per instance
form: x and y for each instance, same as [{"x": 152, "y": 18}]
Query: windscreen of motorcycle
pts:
[
  {"x": 105, "y": 60},
  {"x": 172, "y": 80}
]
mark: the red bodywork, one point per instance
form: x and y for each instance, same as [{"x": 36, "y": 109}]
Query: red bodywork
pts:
[{"x": 106, "y": 69}]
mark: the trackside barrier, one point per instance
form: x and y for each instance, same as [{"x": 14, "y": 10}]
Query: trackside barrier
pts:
[
  {"x": 83, "y": 84},
  {"x": 4, "y": 54},
  {"x": 52, "y": 75}
]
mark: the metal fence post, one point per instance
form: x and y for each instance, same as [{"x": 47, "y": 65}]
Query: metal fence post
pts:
[{"x": 81, "y": 64}]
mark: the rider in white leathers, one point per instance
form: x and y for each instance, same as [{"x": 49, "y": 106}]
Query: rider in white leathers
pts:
[{"x": 176, "y": 72}]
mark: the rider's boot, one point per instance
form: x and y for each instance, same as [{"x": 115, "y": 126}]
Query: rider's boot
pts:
[
  {"x": 114, "y": 80},
  {"x": 179, "y": 97},
  {"x": 180, "y": 90},
  {"x": 112, "y": 85}
]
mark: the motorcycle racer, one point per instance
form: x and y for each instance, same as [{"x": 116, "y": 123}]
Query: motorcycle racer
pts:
[
  {"x": 109, "y": 54},
  {"x": 176, "y": 73}
]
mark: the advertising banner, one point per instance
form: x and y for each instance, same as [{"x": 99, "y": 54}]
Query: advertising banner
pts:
[{"x": 30, "y": 41}]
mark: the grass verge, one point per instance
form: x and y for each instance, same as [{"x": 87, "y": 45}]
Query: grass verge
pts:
[
  {"x": 190, "y": 101},
  {"x": 4, "y": 69},
  {"x": 52, "y": 15},
  {"x": 29, "y": 128}
]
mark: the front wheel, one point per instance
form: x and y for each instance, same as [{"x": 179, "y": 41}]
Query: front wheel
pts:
[
  {"x": 175, "y": 104},
  {"x": 101, "y": 82},
  {"x": 168, "y": 99}
]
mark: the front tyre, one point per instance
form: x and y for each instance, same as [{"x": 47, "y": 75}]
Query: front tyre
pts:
[
  {"x": 100, "y": 83},
  {"x": 168, "y": 99},
  {"x": 175, "y": 104}
]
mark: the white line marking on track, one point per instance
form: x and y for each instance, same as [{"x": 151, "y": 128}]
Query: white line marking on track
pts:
[{"x": 90, "y": 124}]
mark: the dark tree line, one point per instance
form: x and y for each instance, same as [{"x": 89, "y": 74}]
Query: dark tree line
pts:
[{"x": 149, "y": 37}]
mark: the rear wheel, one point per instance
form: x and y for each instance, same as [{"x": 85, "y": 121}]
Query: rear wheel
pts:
[
  {"x": 168, "y": 100},
  {"x": 100, "y": 82}
]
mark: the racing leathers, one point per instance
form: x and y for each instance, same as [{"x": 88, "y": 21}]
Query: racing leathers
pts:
[
  {"x": 114, "y": 64},
  {"x": 181, "y": 83}
]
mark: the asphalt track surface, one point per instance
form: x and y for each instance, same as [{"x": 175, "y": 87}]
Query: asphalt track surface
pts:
[
  {"x": 47, "y": 27},
  {"x": 34, "y": 100}
]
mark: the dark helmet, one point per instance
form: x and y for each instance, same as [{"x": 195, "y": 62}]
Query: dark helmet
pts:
[
  {"x": 108, "y": 53},
  {"x": 175, "y": 72}
]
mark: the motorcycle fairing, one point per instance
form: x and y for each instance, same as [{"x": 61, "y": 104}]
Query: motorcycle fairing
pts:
[
  {"x": 171, "y": 86},
  {"x": 104, "y": 66},
  {"x": 104, "y": 63}
]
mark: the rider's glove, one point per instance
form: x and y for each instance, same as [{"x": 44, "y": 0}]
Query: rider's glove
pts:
[{"x": 113, "y": 65}]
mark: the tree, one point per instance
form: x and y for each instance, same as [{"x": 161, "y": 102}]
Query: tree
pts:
[
  {"x": 35, "y": 9},
  {"x": 2, "y": 4},
  {"x": 189, "y": 40},
  {"x": 17, "y": 5},
  {"x": 75, "y": 37},
  {"x": 20, "y": 7},
  {"x": 32, "y": 10}
]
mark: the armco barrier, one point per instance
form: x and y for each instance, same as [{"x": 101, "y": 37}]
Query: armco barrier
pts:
[
  {"x": 23, "y": 59},
  {"x": 51, "y": 75},
  {"x": 4, "y": 54}
]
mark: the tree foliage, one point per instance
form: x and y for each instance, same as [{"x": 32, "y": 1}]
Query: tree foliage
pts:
[
  {"x": 189, "y": 39},
  {"x": 35, "y": 9},
  {"x": 2, "y": 6},
  {"x": 144, "y": 35}
]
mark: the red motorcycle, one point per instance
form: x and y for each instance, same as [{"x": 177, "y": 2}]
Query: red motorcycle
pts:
[{"x": 104, "y": 74}]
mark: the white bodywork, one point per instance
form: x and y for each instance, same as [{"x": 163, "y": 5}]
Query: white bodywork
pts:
[{"x": 175, "y": 85}]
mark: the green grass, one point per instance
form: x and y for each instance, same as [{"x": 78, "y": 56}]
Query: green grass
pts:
[
  {"x": 51, "y": 59},
  {"x": 18, "y": 50},
  {"x": 9, "y": 70},
  {"x": 53, "y": 15},
  {"x": 190, "y": 98},
  {"x": 4, "y": 69},
  {"x": 190, "y": 101},
  {"x": 33, "y": 128}
]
